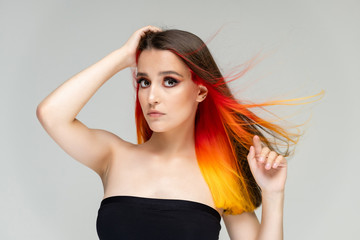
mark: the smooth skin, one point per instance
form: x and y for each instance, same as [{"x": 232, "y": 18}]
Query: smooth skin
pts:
[
  {"x": 163, "y": 166},
  {"x": 166, "y": 86}
]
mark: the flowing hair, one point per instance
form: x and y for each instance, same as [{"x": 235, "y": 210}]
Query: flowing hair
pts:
[{"x": 224, "y": 125}]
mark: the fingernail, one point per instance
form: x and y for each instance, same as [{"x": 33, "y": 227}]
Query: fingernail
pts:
[
  {"x": 261, "y": 159},
  {"x": 275, "y": 165},
  {"x": 268, "y": 166}
]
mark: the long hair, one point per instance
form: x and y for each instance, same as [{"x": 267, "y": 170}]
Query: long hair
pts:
[{"x": 224, "y": 125}]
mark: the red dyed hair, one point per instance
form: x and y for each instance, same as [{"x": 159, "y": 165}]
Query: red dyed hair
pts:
[{"x": 224, "y": 126}]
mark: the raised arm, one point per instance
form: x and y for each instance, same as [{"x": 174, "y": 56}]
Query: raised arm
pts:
[
  {"x": 57, "y": 112},
  {"x": 269, "y": 170}
]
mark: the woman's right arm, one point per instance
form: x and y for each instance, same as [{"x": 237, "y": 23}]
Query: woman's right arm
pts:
[{"x": 57, "y": 112}]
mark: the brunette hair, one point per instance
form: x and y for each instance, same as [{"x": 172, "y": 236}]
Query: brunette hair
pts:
[{"x": 224, "y": 125}]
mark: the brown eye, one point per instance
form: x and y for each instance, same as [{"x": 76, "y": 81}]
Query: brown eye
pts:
[
  {"x": 170, "y": 82},
  {"x": 143, "y": 82}
]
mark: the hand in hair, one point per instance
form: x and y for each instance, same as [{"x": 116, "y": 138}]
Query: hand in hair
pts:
[
  {"x": 268, "y": 168},
  {"x": 132, "y": 43}
]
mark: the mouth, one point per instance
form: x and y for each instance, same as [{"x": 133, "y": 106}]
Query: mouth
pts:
[{"x": 155, "y": 114}]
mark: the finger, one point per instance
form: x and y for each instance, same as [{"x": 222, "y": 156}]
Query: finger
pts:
[
  {"x": 257, "y": 146},
  {"x": 251, "y": 157},
  {"x": 142, "y": 31},
  {"x": 151, "y": 28},
  {"x": 156, "y": 29},
  {"x": 251, "y": 154},
  {"x": 271, "y": 158},
  {"x": 280, "y": 159},
  {"x": 264, "y": 153}
]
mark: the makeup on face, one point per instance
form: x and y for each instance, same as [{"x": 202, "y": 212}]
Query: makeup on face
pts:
[{"x": 166, "y": 92}]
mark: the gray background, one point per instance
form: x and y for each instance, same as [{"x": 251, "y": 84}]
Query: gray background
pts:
[{"x": 313, "y": 45}]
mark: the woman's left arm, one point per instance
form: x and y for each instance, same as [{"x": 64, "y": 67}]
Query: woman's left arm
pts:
[
  {"x": 247, "y": 226},
  {"x": 269, "y": 170},
  {"x": 271, "y": 217}
]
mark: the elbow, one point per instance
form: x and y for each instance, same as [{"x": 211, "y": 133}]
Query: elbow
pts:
[
  {"x": 39, "y": 112},
  {"x": 43, "y": 115},
  {"x": 50, "y": 116}
]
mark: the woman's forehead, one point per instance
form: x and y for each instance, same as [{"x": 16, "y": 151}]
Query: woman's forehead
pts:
[{"x": 161, "y": 60}]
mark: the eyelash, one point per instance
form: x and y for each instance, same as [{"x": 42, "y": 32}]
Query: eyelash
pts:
[{"x": 165, "y": 79}]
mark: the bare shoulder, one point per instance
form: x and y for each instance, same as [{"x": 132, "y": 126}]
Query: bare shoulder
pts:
[
  {"x": 242, "y": 226},
  {"x": 118, "y": 143},
  {"x": 119, "y": 146}
]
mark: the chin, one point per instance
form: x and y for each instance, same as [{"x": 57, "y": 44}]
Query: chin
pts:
[
  {"x": 157, "y": 129},
  {"x": 160, "y": 127}
]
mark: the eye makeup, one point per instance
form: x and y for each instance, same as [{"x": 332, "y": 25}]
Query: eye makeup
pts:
[{"x": 167, "y": 79}]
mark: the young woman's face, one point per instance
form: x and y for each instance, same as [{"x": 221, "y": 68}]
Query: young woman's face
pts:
[{"x": 165, "y": 85}]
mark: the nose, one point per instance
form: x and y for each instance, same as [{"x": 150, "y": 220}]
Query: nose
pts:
[{"x": 153, "y": 97}]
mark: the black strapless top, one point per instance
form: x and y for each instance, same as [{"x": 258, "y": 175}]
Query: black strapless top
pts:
[{"x": 134, "y": 218}]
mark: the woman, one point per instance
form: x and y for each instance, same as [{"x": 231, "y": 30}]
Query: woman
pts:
[{"x": 200, "y": 153}]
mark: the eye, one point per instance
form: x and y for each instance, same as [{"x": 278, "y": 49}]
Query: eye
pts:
[
  {"x": 170, "y": 82},
  {"x": 143, "y": 82}
]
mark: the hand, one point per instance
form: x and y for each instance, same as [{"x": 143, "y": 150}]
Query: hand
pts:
[
  {"x": 268, "y": 168},
  {"x": 132, "y": 43}
]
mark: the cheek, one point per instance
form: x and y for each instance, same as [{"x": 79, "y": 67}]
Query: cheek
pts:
[
  {"x": 141, "y": 96},
  {"x": 184, "y": 100}
]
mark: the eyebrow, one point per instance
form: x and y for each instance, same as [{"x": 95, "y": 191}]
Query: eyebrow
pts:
[{"x": 140, "y": 74}]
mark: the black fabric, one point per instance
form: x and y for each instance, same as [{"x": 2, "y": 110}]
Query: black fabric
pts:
[{"x": 134, "y": 218}]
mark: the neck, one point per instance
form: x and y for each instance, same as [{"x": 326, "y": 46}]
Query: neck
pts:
[{"x": 174, "y": 144}]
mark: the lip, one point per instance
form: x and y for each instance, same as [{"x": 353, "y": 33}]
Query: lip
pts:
[{"x": 155, "y": 113}]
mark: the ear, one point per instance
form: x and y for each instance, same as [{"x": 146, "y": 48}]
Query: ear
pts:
[{"x": 202, "y": 92}]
